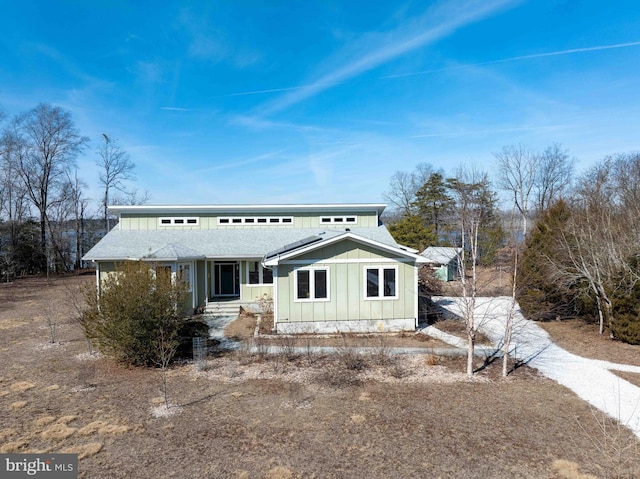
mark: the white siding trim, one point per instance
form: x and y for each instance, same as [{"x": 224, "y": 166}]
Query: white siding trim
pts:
[
  {"x": 275, "y": 297},
  {"x": 416, "y": 289},
  {"x": 347, "y": 260}
]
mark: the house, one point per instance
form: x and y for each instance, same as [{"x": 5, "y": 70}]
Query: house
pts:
[
  {"x": 443, "y": 261},
  {"x": 327, "y": 268}
]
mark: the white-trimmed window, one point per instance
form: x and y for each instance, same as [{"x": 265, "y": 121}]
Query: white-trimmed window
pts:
[
  {"x": 179, "y": 221},
  {"x": 254, "y": 220},
  {"x": 381, "y": 282},
  {"x": 184, "y": 274},
  {"x": 311, "y": 284},
  {"x": 351, "y": 220},
  {"x": 257, "y": 274}
]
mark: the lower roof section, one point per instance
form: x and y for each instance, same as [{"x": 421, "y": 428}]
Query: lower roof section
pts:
[{"x": 215, "y": 243}]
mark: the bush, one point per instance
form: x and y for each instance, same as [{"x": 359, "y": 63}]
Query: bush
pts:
[
  {"x": 136, "y": 317},
  {"x": 625, "y": 306}
]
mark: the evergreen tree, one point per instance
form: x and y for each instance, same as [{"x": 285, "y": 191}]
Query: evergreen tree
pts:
[
  {"x": 411, "y": 231},
  {"x": 434, "y": 204},
  {"x": 540, "y": 295}
]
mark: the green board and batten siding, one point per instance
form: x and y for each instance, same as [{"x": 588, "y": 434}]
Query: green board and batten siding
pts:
[
  {"x": 129, "y": 221},
  {"x": 252, "y": 292},
  {"x": 346, "y": 263}
]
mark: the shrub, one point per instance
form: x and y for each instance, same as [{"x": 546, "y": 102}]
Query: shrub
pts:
[
  {"x": 625, "y": 305},
  {"x": 136, "y": 317}
]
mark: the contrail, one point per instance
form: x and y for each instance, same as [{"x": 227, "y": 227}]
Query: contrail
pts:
[{"x": 523, "y": 57}]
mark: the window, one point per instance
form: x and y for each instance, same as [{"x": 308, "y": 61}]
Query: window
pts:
[
  {"x": 257, "y": 274},
  {"x": 312, "y": 284},
  {"x": 252, "y": 220},
  {"x": 184, "y": 274},
  {"x": 339, "y": 219},
  {"x": 380, "y": 283},
  {"x": 178, "y": 221}
]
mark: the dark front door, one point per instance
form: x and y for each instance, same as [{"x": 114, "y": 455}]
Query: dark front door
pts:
[{"x": 226, "y": 279}]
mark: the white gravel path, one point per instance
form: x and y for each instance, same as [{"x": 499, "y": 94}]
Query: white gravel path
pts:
[{"x": 592, "y": 380}]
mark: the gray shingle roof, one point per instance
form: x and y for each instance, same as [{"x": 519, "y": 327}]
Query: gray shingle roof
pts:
[
  {"x": 440, "y": 254},
  {"x": 215, "y": 243}
]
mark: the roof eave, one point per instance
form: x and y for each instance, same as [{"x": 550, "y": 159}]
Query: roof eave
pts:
[{"x": 266, "y": 208}]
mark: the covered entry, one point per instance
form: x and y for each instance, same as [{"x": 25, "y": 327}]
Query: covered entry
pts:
[{"x": 225, "y": 279}]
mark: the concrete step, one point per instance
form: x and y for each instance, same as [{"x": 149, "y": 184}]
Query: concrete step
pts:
[{"x": 222, "y": 308}]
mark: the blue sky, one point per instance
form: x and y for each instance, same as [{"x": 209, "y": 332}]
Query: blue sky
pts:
[{"x": 301, "y": 102}]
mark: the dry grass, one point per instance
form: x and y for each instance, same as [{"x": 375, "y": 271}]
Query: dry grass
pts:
[
  {"x": 242, "y": 328},
  {"x": 85, "y": 450},
  {"x": 58, "y": 432},
  {"x": 274, "y": 418},
  {"x": 583, "y": 339},
  {"x": 22, "y": 386},
  {"x": 18, "y": 405},
  {"x": 13, "y": 446},
  {"x": 569, "y": 470},
  {"x": 44, "y": 421}
]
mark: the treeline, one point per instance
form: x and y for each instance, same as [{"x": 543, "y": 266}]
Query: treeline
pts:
[
  {"x": 430, "y": 209},
  {"x": 45, "y": 218},
  {"x": 573, "y": 240},
  {"x": 582, "y": 257}
]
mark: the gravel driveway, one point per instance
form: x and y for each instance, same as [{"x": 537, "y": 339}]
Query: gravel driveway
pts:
[{"x": 592, "y": 380}]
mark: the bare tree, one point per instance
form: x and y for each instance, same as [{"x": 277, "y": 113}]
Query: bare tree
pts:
[
  {"x": 553, "y": 177},
  {"x": 166, "y": 346},
  {"x": 594, "y": 240},
  {"x": 403, "y": 187},
  {"x": 470, "y": 189},
  {"x": 48, "y": 143},
  {"x": 517, "y": 174},
  {"x": 115, "y": 168},
  {"x": 79, "y": 205},
  {"x": 133, "y": 197},
  {"x": 14, "y": 207},
  {"x": 514, "y": 248}
]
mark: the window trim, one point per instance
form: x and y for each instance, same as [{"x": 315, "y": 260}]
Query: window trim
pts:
[
  {"x": 261, "y": 270},
  {"x": 255, "y": 220},
  {"x": 190, "y": 279},
  {"x": 312, "y": 284},
  {"x": 340, "y": 220},
  {"x": 180, "y": 221},
  {"x": 381, "y": 296}
]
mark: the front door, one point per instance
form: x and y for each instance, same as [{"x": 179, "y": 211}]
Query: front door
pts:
[{"x": 226, "y": 279}]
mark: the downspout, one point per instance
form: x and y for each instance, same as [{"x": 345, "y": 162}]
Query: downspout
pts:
[{"x": 275, "y": 298}]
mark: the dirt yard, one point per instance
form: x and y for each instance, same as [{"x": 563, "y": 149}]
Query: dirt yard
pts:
[{"x": 249, "y": 416}]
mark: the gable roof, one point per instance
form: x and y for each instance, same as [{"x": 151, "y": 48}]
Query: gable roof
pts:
[
  {"x": 440, "y": 254},
  {"x": 237, "y": 243},
  {"x": 174, "y": 252},
  {"x": 275, "y": 257}
]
